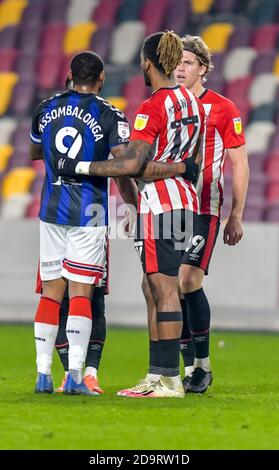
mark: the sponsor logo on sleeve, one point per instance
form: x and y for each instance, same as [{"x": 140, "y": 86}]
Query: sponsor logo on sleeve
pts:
[
  {"x": 237, "y": 125},
  {"x": 141, "y": 121},
  {"x": 123, "y": 129}
]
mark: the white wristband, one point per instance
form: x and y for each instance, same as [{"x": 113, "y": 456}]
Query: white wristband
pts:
[{"x": 82, "y": 168}]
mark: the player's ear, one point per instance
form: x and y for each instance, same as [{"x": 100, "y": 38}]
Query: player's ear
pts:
[
  {"x": 101, "y": 80},
  {"x": 203, "y": 70},
  {"x": 102, "y": 76},
  {"x": 70, "y": 76},
  {"x": 147, "y": 64}
]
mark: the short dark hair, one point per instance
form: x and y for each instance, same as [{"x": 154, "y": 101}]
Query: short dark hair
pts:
[
  {"x": 86, "y": 68},
  {"x": 165, "y": 51},
  {"x": 149, "y": 49}
]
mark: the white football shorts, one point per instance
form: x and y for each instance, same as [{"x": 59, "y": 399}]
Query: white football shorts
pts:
[{"x": 76, "y": 253}]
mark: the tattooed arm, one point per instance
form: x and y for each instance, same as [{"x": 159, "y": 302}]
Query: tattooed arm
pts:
[
  {"x": 133, "y": 161},
  {"x": 127, "y": 163},
  {"x": 151, "y": 170},
  {"x": 128, "y": 189},
  {"x": 126, "y": 186}
]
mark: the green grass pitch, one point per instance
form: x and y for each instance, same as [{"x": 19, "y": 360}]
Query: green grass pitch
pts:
[{"x": 240, "y": 411}]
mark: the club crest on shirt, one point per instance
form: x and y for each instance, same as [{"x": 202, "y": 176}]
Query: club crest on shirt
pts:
[
  {"x": 123, "y": 129},
  {"x": 237, "y": 125},
  {"x": 141, "y": 121}
]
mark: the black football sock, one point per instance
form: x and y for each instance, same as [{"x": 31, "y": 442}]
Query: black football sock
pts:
[
  {"x": 186, "y": 344},
  {"x": 154, "y": 358},
  {"x": 199, "y": 321},
  {"x": 98, "y": 333},
  {"x": 61, "y": 343},
  {"x": 169, "y": 348},
  {"x": 170, "y": 357}
]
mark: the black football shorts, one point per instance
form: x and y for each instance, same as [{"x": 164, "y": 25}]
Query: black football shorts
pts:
[
  {"x": 200, "y": 247},
  {"x": 160, "y": 240}
]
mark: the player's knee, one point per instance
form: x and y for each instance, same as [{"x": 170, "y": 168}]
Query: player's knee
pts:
[
  {"x": 78, "y": 289},
  {"x": 166, "y": 297},
  {"x": 164, "y": 293},
  {"x": 53, "y": 290},
  {"x": 189, "y": 283}
]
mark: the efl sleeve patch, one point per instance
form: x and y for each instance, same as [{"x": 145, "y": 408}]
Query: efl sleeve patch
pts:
[
  {"x": 123, "y": 129},
  {"x": 141, "y": 121},
  {"x": 237, "y": 125}
]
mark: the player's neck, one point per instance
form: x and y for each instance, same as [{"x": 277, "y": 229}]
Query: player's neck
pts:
[
  {"x": 162, "y": 82},
  {"x": 86, "y": 89},
  {"x": 197, "y": 89}
]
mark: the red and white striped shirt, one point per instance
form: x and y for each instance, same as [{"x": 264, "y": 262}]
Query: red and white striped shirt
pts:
[
  {"x": 171, "y": 120},
  {"x": 223, "y": 130}
]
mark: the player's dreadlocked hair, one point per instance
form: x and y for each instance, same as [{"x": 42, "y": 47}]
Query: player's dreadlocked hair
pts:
[
  {"x": 165, "y": 50},
  {"x": 86, "y": 68},
  {"x": 197, "y": 45}
]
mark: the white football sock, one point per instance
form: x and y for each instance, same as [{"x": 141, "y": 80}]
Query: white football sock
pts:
[
  {"x": 90, "y": 371},
  {"x": 189, "y": 371},
  {"x": 153, "y": 377},
  {"x": 45, "y": 336},
  {"x": 78, "y": 330},
  {"x": 204, "y": 363},
  {"x": 171, "y": 381}
]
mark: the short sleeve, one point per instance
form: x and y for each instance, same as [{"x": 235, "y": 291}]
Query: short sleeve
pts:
[
  {"x": 35, "y": 135},
  {"x": 116, "y": 127},
  {"x": 230, "y": 125},
  {"x": 147, "y": 124}
]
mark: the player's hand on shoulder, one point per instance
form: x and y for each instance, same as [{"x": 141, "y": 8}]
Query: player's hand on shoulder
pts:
[
  {"x": 71, "y": 167},
  {"x": 233, "y": 231},
  {"x": 66, "y": 166}
]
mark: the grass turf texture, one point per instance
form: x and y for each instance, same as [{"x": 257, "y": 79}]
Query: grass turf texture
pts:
[{"x": 240, "y": 411}]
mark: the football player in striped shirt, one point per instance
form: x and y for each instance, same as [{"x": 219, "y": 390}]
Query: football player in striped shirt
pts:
[
  {"x": 97, "y": 337},
  {"x": 74, "y": 212},
  {"x": 167, "y": 130},
  {"x": 223, "y": 135},
  {"x": 98, "y": 332}
]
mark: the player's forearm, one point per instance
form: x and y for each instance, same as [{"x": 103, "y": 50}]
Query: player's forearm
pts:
[
  {"x": 240, "y": 181},
  {"x": 158, "y": 170},
  {"x": 127, "y": 161},
  {"x": 115, "y": 168},
  {"x": 128, "y": 190}
]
